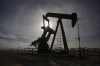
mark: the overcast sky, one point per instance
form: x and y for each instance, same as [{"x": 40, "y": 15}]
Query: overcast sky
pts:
[{"x": 21, "y": 21}]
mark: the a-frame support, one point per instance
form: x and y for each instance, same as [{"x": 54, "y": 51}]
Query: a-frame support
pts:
[{"x": 63, "y": 36}]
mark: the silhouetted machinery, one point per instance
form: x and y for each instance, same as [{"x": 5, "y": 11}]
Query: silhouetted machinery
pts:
[{"x": 43, "y": 46}]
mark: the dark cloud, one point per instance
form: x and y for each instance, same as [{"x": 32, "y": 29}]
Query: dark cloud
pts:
[{"x": 13, "y": 37}]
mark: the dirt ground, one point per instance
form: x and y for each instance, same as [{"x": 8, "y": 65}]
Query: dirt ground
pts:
[{"x": 12, "y": 59}]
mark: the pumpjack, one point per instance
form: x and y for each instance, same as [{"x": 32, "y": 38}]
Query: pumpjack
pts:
[{"x": 42, "y": 42}]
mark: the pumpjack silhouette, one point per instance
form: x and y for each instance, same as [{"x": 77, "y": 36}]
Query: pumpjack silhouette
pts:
[{"x": 42, "y": 42}]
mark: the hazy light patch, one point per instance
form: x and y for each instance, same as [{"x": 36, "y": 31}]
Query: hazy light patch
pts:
[
  {"x": 50, "y": 23},
  {"x": 46, "y": 24}
]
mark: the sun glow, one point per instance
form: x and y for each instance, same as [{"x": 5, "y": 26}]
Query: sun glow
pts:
[
  {"x": 50, "y": 24},
  {"x": 46, "y": 24}
]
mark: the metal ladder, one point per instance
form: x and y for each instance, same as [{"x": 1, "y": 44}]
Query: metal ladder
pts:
[{"x": 59, "y": 38}]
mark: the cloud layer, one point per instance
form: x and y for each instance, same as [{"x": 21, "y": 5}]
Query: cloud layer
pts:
[{"x": 21, "y": 21}]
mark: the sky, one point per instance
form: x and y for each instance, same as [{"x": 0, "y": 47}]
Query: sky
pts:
[{"x": 21, "y": 21}]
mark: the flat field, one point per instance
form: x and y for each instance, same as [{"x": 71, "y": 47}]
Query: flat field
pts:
[{"x": 11, "y": 58}]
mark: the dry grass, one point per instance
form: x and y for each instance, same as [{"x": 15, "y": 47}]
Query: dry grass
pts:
[{"x": 10, "y": 58}]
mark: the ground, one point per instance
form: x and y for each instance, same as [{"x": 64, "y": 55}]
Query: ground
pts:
[{"x": 9, "y": 58}]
